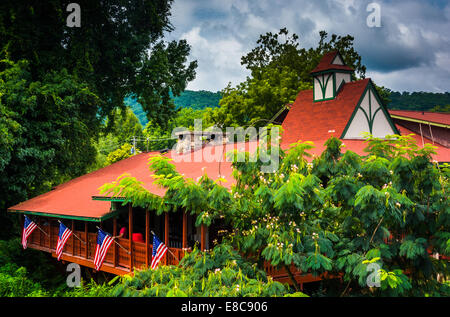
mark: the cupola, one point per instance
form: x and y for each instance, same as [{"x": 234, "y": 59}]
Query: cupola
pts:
[{"x": 329, "y": 76}]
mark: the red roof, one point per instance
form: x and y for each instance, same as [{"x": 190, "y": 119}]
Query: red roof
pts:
[
  {"x": 74, "y": 198},
  {"x": 306, "y": 121},
  {"x": 318, "y": 121},
  {"x": 326, "y": 64},
  {"x": 358, "y": 146},
  {"x": 436, "y": 117},
  {"x": 312, "y": 121}
]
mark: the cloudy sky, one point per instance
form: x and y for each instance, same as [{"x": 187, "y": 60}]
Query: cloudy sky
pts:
[{"x": 409, "y": 52}]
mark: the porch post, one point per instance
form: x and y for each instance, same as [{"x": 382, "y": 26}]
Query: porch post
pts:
[
  {"x": 86, "y": 238},
  {"x": 166, "y": 234},
  {"x": 51, "y": 233},
  {"x": 40, "y": 232},
  {"x": 147, "y": 235},
  {"x": 130, "y": 234},
  {"x": 115, "y": 244},
  {"x": 185, "y": 243},
  {"x": 72, "y": 237}
]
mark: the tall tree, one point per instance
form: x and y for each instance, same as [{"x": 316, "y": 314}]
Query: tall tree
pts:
[
  {"x": 283, "y": 50},
  {"x": 118, "y": 49},
  {"x": 58, "y": 83},
  {"x": 279, "y": 70}
]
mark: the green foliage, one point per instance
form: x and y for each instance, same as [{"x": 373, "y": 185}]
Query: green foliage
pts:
[
  {"x": 48, "y": 126},
  {"x": 255, "y": 101},
  {"x": 27, "y": 272},
  {"x": 279, "y": 70},
  {"x": 222, "y": 272},
  {"x": 118, "y": 51},
  {"x": 113, "y": 144},
  {"x": 122, "y": 153},
  {"x": 445, "y": 109},
  {"x": 424, "y": 101},
  {"x": 271, "y": 52},
  {"x": 162, "y": 138},
  {"x": 196, "y": 100},
  {"x": 14, "y": 282},
  {"x": 339, "y": 214},
  {"x": 58, "y": 84},
  {"x": 126, "y": 125},
  {"x": 90, "y": 289}
]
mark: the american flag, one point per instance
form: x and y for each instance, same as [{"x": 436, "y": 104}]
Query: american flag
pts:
[
  {"x": 159, "y": 250},
  {"x": 28, "y": 227},
  {"x": 64, "y": 234},
  {"x": 104, "y": 240}
]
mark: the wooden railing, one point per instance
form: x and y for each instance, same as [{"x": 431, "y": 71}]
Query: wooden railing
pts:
[
  {"x": 83, "y": 251},
  {"x": 117, "y": 260}
]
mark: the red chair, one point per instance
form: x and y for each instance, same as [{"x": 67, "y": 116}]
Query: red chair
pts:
[{"x": 137, "y": 237}]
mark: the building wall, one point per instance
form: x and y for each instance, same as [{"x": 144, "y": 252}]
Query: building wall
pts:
[
  {"x": 338, "y": 61},
  {"x": 342, "y": 77},
  {"x": 360, "y": 123},
  {"x": 322, "y": 79}
]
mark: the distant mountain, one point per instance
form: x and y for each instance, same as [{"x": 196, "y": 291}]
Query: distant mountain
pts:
[
  {"x": 424, "y": 101},
  {"x": 198, "y": 99},
  {"x": 189, "y": 98}
]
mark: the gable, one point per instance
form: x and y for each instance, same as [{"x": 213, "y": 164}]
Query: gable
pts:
[
  {"x": 318, "y": 121},
  {"x": 331, "y": 61},
  {"x": 369, "y": 116},
  {"x": 338, "y": 60}
]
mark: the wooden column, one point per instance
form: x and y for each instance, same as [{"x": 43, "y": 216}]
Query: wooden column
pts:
[
  {"x": 203, "y": 237},
  {"x": 147, "y": 236},
  {"x": 115, "y": 244},
  {"x": 73, "y": 238},
  {"x": 51, "y": 234},
  {"x": 40, "y": 232},
  {"x": 185, "y": 242},
  {"x": 166, "y": 229},
  {"x": 166, "y": 235},
  {"x": 130, "y": 234},
  {"x": 86, "y": 238}
]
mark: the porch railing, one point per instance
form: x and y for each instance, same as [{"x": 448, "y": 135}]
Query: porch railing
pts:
[{"x": 116, "y": 256}]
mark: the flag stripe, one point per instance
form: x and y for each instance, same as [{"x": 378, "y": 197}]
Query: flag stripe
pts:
[
  {"x": 159, "y": 250},
  {"x": 158, "y": 258},
  {"x": 103, "y": 242},
  {"x": 28, "y": 228},
  {"x": 62, "y": 239}
]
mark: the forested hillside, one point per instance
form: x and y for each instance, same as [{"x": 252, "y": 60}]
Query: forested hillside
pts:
[
  {"x": 197, "y": 100},
  {"x": 426, "y": 101}
]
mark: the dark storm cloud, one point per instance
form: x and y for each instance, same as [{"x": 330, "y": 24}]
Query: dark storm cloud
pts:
[{"x": 413, "y": 38}]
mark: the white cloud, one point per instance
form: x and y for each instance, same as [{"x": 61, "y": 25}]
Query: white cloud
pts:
[
  {"x": 219, "y": 61},
  {"x": 412, "y": 43}
]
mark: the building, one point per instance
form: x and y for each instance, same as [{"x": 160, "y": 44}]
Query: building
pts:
[
  {"x": 336, "y": 106},
  {"x": 346, "y": 109}
]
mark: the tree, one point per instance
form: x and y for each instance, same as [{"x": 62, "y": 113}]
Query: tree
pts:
[
  {"x": 221, "y": 272},
  {"x": 122, "y": 153},
  {"x": 160, "y": 138},
  {"x": 368, "y": 219},
  {"x": 255, "y": 101},
  {"x": 270, "y": 51},
  {"x": 117, "y": 51},
  {"x": 279, "y": 71},
  {"x": 57, "y": 83},
  {"x": 48, "y": 128},
  {"x": 126, "y": 125}
]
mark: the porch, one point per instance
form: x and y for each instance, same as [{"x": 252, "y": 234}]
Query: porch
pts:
[{"x": 176, "y": 230}]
